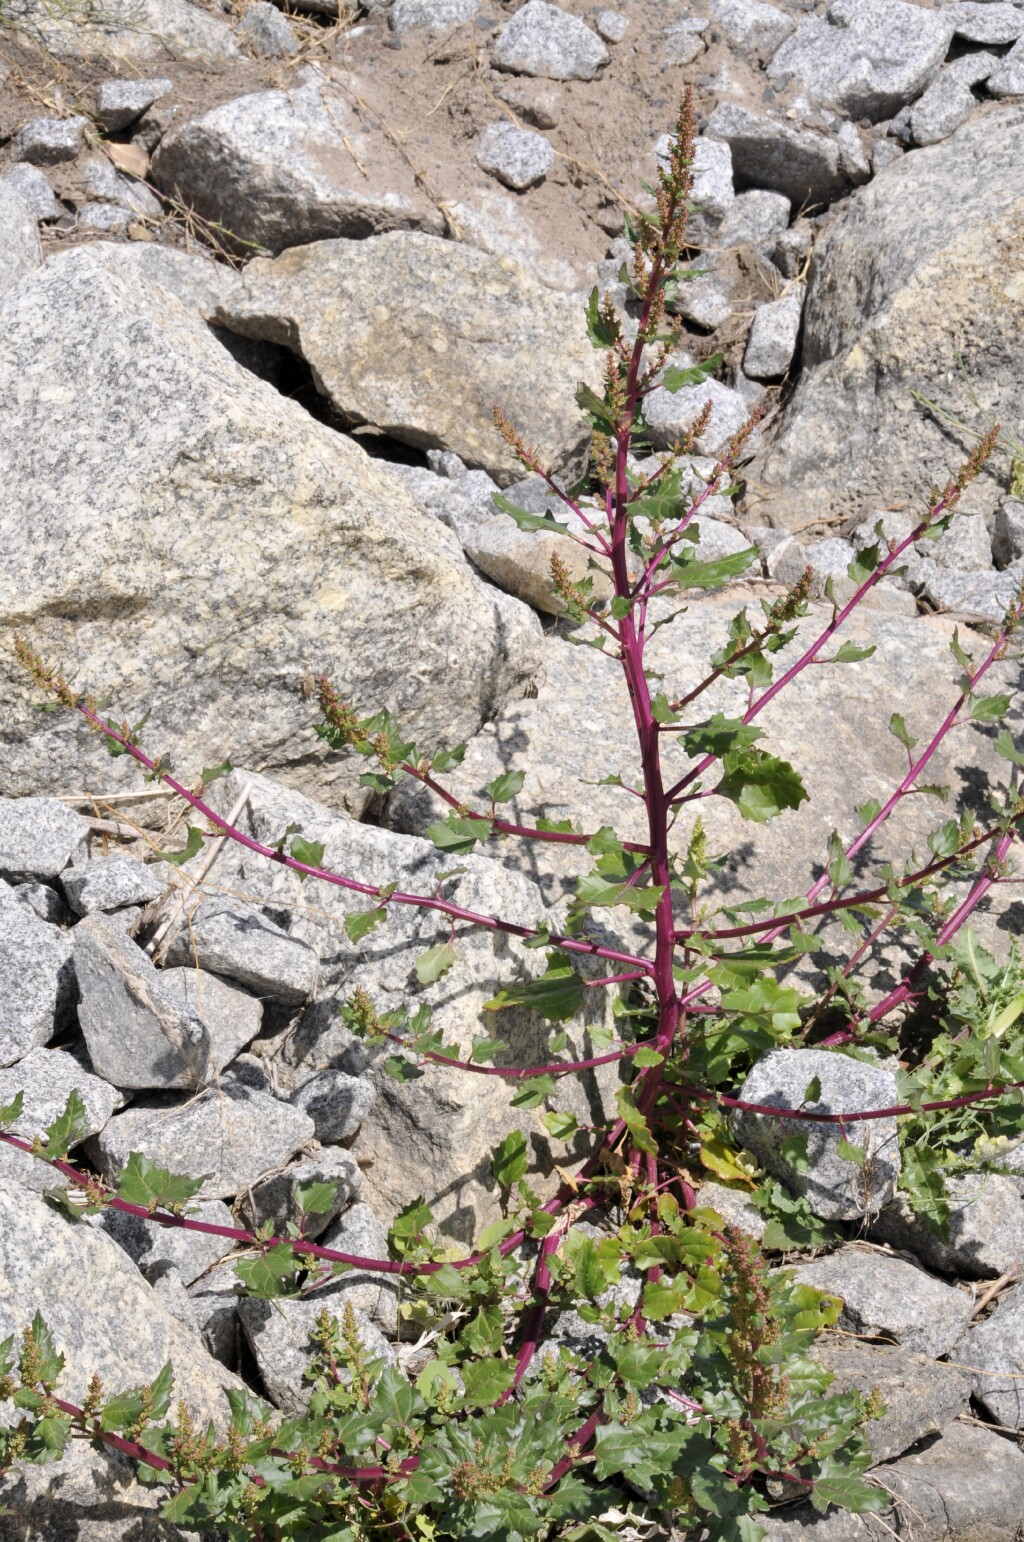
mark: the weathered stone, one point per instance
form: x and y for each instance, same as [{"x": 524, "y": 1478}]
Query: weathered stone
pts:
[
  {"x": 437, "y": 15},
  {"x": 886, "y": 1297},
  {"x": 885, "y": 153},
  {"x": 120, "y": 102},
  {"x": 496, "y": 222},
  {"x": 612, "y": 25},
  {"x": 534, "y": 101},
  {"x": 852, "y": 437},
  {"x": 754, "y": 218},
  {"x": 797, "y": 161},
  {"x": 130, "y": 32},
  {"x": 359, "y": 1232},
  {"x": 771, "y": 345},
  {"x": 684, "y": 41},
  {"x": 267, "y": 33},
  {"x": 140, "y": 1035},
  {"x": 230, "y": 1136},
  {"x": 102, "y": 218},
  {"x": 829, "y": 561},
  {"x": 110, "y": 1324},
  {"x": 1008, "y": 79},
  {"x": 993, "y": 1350},
  {"x": 972, "y": 69},
  {"x": 33, "y": 189},
  {"x": 274, "y": 1198},
  {"x": 45, "y": 902},
  {"x": 104, "y": 182},
  {"x": 542, "y": 39},
  {"x": 214, "y": 465},
  {"x": 979, "y": 22},
  {"x": 793, "y": 248},
  {"x": 47, "y": 141},
  {"x": 921, "y": 1396},
  {"x": 703, "y": 301},
  {"x": 837, "y": 1189},
  {"x": 280, "y": 1336},
  {"x": 36, "y": 979},
  {"x": 213, "y": 1301},
  {"x": 968, "y": 1486},
  {"x": 197, "y": 281},
  {"x": 46, "y": 1077},
  {"x": 111, "y": 882},
  {"x": 279, "y": 168},
  {"x": 943, "y": 107},
  {"x": 865, "y": 58},
  {"x": 518, "y": 157},
  {"x": 39, "y": 838},
  {"x": 853, "y": 157},
  {"x": 520, "y": 560},
  {"x": 237, "y": 941},
  {"x": 981, "y": 595},
  {"x": 986, "y": 1228},
  {"x": 734, "y": 1206},
  {"x": 420, "y": 337},
  {"x": 1008, "y": 533},
  {"x": 86, "y": 1496},
  {"x": 752, "y": 28},
  {"x": 152, "y": 1246},
  {"x": 671, "y": 414},
  {"x": 231, "y": 1017},
  {"x": 336, "y": 1103}
]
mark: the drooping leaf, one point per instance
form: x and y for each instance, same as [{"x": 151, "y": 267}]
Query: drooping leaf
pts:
[
  {"x": 556, "y": 995},
  {"x": 211, "y": 773},
  {"x": 359, "y": 923},
  {"x": 61, "y": 1135},
  {"x": 193, "y": 846},
  {"x": 560, "y": 1126},
  {"x": 760, "y": 785},
  {"x": 505, "y": 787},
  {"x": 458, "y": 835},
  {"x": 432, "y": 964},
  {"x": 142, "y": 1182},
  {"x": 713, "y": 572},
  {"x": 852, "y": 653},
  {"x": 678, "y": 378},
  {"x": 510, "y": 1159},
  {"x": 533, "y": 1091},
  {"x": 600, "y": 331},
  {"x": 11, "y": 1113},
  {"x": 989, "y": 709}
]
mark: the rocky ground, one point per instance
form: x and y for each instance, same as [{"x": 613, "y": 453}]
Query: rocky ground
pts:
[{"x": 263, "y": 273}]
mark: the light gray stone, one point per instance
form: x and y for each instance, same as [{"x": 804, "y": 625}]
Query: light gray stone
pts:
[
  {"x": 971, "y": 69},
  {"x": 359, "y": 1232},
  {"x": 612, "y": 25},
  {"x": 39, "y": 838},
  {"x": 978, "y": 22},
  {"x": 771, "y": 345},
  {"x": 229, "y": 1136},
  {"x": 44, "y": 901},
  {"x": 941, "y": 110},
  {"x": 986, "y": 1228},
  {"x": 542, "y": 39},
  {"x": 213, "y": 1301},
  {"x": 886, "y": 1297},
  {"x": 280, "y": 168},
  {"x": 671, "y": 414},
  {"x": 1008, "y": 533},
  {"x": 436, "y": 15},
  {"x": 979, "y": 595},
  {"x": 267, "y": 503},
  {"x": 136, "y": 33},
  {"x": 460, "y": 503},
  {"x": 336, "y": 1103},
  {"x": 238, "y": 941},
  {"x": 32, "y": 187},
  {"x": 518, "y": 157},
  {"x": 105, "y": 183},
  {"x": 852, "y": 437},
  {"x": 458, "y": 331},
  {"x": 853, "y": 157},
  {"x": 922, "y": 1397},
  {"x": 46, "y": 1077},
  {"x": 684, "y": 41},
  {"x": 752, "y": 28},
  {"x": 197, "y": 281},
  {"x": 154, "y": 1247},
  {"x": 865, "y": 58},
  {"x": 793, "y": 248},
  {"x": 108, "y": 883},
  {"x": 110, "y": 1324},
  {"x": 1008, "y": 80},
  {"x": 968, "y": 1486},
  {"x": 734, "y": 1206},
  {"x": 498, "y": 222},
  {"x": 279, "y": 1335},
  {"x": 273, "y": 1199},
  {"x": 786, "y": 157},
  {"x": 703, "y": 301},
  {"x": 713, "y": 191},
  {"x": 835, "y": 1188},
  {"x": 47, "y": 141},
  {"x": 37, "y": 979},
  {"x": 994, "y": 1349},
  {"x": 884, "y": 153},
  {"x": 267, "y": 33},
  {"x": 520, "y": 560},
  {"x": 830, "y": 560},
  {"x": 231, "y": 1017},
  {"x": 120, "y": 102},
  {"x": 754, "y": 218},
  {"x": 103, "y": 218},
  {"x": 139, "y": 1034}
]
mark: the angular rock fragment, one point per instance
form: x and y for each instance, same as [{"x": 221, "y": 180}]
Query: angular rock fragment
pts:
[
  {"x": 542, "y": 39},
  {"x": 239, "y": 942}
]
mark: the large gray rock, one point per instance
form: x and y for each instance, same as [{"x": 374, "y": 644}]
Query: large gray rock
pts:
[
  {"x": 231, "y": 1017},
  {"x": 121, "y": 101},
  {"x": 19, "y": 240},
  {"x": 836, "y": 1188},
  {"x": 32, "y": 187},
  {"x": 152, "y": 1246},
  {"x": 110, "y": 883},
  {"x": 670, "y": 416},
  {"x": 229, "y": 1136},
  {"x": 922, "y": 1397},
  {"x": 110, "y": 1324},
  {"x": 267, "y": 33},
  {"x": 139, "y": 1034},
  {"x": 46, "y": 1077},
  {"x": 336, "y": 1103},
  {"x": 982, "y": 21},
  {"x": 279, "y": 1334},
  {"x": 39, "y": 838},
  {"x": 130, "y": 32},
  {"x": 886, "y": 1297},
  {"x": 37, "y": 978},
  {"x": 1008, "y": 79},
  {"x": 771, "y": 344},
  {"x": 236, "y": 940},
  {"x": 756, "y": 218},
  {"x": 87, "y": 1496},
  {"x": 359, "y": 1232},
  {"x": 274, "y": 1198},
  {"x": 865, "y": 58},
  {"x": 994, "y": 1351},
  {"x": 941, "y": 109},
  {"x": 421, "y": 338},
  {"x": 542, "y": 39},
  {"x": 876, "y": 328},
  {"x": 48, "y": 141},
  {"x": 520, "y": 561},
  {"x": 279, "y": 168},
  {"x": 752, "y": 28},
  {"x": 214, "y": 498},
  {"x": 774, "y": 153},
  {"x": 985, "y": 1236}
]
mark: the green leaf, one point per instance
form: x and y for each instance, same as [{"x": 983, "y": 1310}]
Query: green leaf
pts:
[
  {"x": 601, "y": 333},
  {"x": 852, "y": 653},
  {"x": 484, "y": 1381},
  {"x": 193, "y": 846},
  {"x": 505, "y": 787},
  {"x": 12, "y": 1112},
  {"x": 989, "y": 709},
  {"x": 409, "y": 1225},
  {"x": 314, "y": 1197},
  {"x": 1007, "y": 749},
  {"x": 593, "y": 890},
  {"x": 212, "y": 773},
  {"x": 794, "y": 1152},
  {"x": 848, "y": 1152},
  {"x": 694, "y": 573},
  {"x": 526, "y": 521},
  {"x": 445, "y": 760},
  {"x": 898, "y": 728},
  {"x": 432, "y": 964},
  {"x": 865, "y": 563},
  {"x": 459, "y": 835},
  {"x": 402, "y": 1070},
  {"x": 848, "y": 1492},
  {"x": 311, "y": 853},
  {"x": 661, "y": 711},
  {"x": 66, "y": 1128},
  {"x": 485, "y": 1049},
  {"x": 358, "y": 923},
  {"x": 760, "y": 785},
  {"x": 49, "y": 1360},
  {"x": 677, "y": 378},
  {"x": 718, "y": 735},
  {"x": 142, "y": 1182},
  {"x": 533, "y": 1091},
  {"x": 560, "y": 1126},
  {"x": 127, "y": 1410},
  {"x": 510, "y": 1159},
  {"x": 273, "y": 1274},
  {"x": 635, "y": 1122},
  {"x": 556, "y": 995},
  {"x": 597, "y": 410}
]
